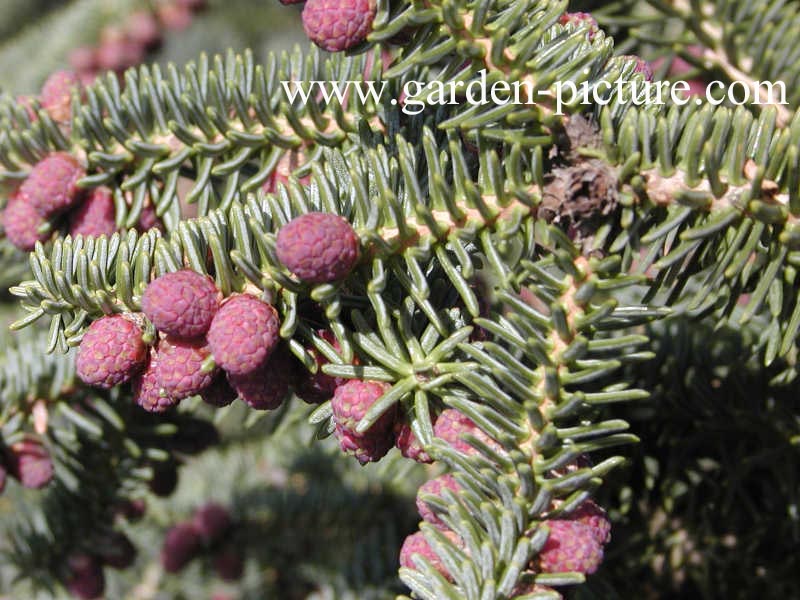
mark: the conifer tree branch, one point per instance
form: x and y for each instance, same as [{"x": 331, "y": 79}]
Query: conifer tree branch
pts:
[
  {"x": 738, "y": 68},
  {"x": 739, "y": 41}
]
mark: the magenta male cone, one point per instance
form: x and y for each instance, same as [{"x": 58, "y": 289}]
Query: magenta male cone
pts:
[
  {"x": 318, "y": 247},
  {"x": 243, "y": 334},
  {"x": 111, "y": 352},
  {"x": 181, "y": 304},
  {"x": 336, "y": 25},
  {"x": 22, "y": 224},
  {"x": 350, "y": 404},
  {"x": 52, "y": 185},
  {"x": 85, "y": 579}
]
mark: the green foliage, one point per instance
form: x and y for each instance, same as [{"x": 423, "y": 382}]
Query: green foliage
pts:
[
  {"x": 734, "y": 41},
  {"x": 714, "y": 475},
  {"x": 55, "y": 29}
]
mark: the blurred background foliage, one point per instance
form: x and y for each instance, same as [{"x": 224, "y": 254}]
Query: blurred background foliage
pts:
[{"x": 36, "y": 36}]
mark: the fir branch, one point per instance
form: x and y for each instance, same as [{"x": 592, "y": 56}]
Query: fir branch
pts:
[
  {"x": 548, "y": 358},
  {"x": 750, "y": 57},
  {"x": 228, "y": 138},
  {"x": 737, "y": 40},
  {"x": 13, "y": 265},
  {"x": 531, "y": 55},
  {"x": 729, "y": 200}
]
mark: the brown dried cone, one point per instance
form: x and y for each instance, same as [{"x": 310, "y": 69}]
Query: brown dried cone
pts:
[
  {"x": 580, "y": 133},
  {"x": 579, "y": 196}
]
